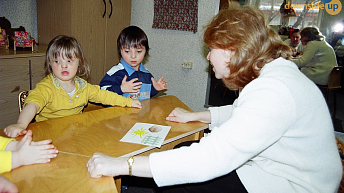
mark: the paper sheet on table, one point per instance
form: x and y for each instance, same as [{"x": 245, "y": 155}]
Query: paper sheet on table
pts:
[{"x": 147, "y": 134}]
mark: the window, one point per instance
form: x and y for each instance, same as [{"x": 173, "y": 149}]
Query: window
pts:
[{"x": 303, "y": 17}]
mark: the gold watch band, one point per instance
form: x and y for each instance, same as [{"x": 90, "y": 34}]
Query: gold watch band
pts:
[{"x": 130, "y": 163}]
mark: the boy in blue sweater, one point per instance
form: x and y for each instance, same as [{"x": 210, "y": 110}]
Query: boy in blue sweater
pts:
[{"x": 129, "y": 77}]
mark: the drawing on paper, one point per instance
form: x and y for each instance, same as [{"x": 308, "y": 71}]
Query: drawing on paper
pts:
[
  {"x": 139, "y": 132},
  {"x": 151, "y": 140},
  {"x": 155, "y": 128},
  {"x": 147, "y": 134}
]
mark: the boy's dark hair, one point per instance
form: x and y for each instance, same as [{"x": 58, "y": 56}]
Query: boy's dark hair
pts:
[{"x": 132, "y": 36}]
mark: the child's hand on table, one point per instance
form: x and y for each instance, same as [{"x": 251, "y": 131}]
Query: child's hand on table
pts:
[
  {"x": 15, "y": 130},
  {"x": 6, "y": 185},
  {"x": 27, "y": 152},
  {"x": 160, "y": 84},
  {"x": 136, "y": 103},
  {"x": 131, "y": 86}
]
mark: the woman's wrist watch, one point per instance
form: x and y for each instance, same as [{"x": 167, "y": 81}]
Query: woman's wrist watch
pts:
[{"x": 130, "y": 163}]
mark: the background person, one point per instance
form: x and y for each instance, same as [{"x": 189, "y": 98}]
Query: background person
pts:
[
  {"x": 295, "y": 42},
  {"x": 318, "y": 58},
  {"x": 337, "y": 42},
  {"x": 272, "y": 139}
]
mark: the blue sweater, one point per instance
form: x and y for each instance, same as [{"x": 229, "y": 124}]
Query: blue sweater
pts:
[{"x": 113, "y": 79}]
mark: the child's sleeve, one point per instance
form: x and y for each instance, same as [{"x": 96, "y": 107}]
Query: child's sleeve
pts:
[
  {"x": 41, "y": 95},
  {"x": 106, "y": 97},
  {"x": 5, "y": 156},
  {"x": 112, "y": 83},
  {"x": 4, "y": 142},
  {"x": 153, "y": 90},
  {"x": 5, "y": 161}
]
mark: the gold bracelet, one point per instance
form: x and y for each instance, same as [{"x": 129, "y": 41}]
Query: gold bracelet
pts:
[{"x": 130, "y": 163}]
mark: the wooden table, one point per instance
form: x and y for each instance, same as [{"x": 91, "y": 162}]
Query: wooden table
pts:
[{"x": 99, "y": 129}]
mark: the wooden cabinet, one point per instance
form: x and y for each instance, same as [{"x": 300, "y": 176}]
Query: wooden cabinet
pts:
[
  {"x": 96, "y": 24},
  {"x": 20, "y": 70}
]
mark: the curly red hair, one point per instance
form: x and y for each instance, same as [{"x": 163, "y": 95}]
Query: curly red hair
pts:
[{"x": 245, "y": 31}]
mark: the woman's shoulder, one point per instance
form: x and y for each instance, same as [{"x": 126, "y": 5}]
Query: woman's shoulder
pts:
[
  {"x": 319, "y": 43},
  {"x": 316, "y": 42}
]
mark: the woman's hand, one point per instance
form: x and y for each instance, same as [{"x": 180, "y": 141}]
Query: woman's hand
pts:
[
  {"x": 179, "y": 115},
  {"x": 183, "y": 116},
  {"x": 103, "y": 165}
]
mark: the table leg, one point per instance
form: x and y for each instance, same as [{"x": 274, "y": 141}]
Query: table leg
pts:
[{"x": 118, "y": 184}]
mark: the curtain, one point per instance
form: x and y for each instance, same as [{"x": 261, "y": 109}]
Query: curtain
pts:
[{"x": 176, "y": 15}]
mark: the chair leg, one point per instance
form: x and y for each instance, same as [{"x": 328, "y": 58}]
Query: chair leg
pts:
[
  {"x": 326, "y": 95},
  {"x": 334, "y": 103},
  {"x": 224, "y": 93}
]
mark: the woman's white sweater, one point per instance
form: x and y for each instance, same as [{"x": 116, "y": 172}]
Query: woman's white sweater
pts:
[{"x": 278, "y": 135}]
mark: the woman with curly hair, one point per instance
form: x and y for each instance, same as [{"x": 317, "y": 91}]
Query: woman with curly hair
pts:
[
  {"x": 276, "y": 137},
  {"x": 318, "y": 58}
]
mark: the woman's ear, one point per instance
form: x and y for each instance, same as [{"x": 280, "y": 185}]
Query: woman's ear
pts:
[{"x": 228, "y": 55}]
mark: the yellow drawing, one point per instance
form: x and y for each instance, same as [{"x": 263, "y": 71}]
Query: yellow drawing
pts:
[{"x": 139, "y": 132}]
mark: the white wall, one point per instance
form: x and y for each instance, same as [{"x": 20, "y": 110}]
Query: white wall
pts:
[
  {"x": 20, "y": 13},
  {"x": 169, "y": 48}
]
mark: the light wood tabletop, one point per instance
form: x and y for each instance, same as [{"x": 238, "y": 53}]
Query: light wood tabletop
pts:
[{"x": 98, "y": 129}]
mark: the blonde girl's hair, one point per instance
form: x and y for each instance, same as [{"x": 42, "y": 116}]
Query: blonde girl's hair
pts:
[
  {"x": 69, "y": 47},
  {"x": 245, "y": 31}
]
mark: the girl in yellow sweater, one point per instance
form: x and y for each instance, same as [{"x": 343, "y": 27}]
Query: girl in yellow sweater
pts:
[{"x": 64, "y": 91}]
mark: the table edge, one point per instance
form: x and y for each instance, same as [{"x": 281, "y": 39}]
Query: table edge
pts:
[{"x": 166, "y": 141}]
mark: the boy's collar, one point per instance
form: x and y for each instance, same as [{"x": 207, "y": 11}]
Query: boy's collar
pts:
[{"x": 130, "y": 70}]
